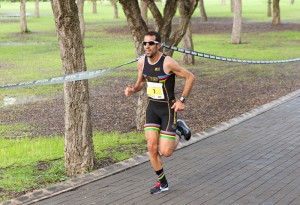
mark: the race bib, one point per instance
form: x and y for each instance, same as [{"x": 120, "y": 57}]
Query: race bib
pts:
[{"x": 155, "y": 90}]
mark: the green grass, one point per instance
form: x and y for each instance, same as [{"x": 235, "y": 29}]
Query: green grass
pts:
[
  {"x": 254, "y": 10},
  {"x": 32, "y": 163},
  {"x": 14, "y": 131},
  {"x": 265, "y": 46},
  {"x": 118, "y": 146},
  {"x": 33, "y": 56},
  {"x": 29, "y": 177},
  {"x": 24, "y": 151}
]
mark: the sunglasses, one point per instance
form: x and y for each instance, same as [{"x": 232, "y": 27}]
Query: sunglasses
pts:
[{"x": 151, "y": 43}]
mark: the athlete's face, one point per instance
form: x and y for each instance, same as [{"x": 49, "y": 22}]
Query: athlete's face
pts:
[{"x": 150, "y": 46}]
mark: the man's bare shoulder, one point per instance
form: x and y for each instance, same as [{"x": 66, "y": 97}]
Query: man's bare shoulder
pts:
[
  {"x": 171, "y": 64},
  {"x": 140, "y": 62}
]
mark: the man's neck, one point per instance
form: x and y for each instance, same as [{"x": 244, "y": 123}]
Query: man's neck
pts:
[{"x": 155, "y": 58}]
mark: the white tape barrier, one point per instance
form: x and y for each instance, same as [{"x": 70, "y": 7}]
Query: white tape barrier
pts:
[
  {"x": 67, "y": 78},
  {"x": 235, "y": 60}
]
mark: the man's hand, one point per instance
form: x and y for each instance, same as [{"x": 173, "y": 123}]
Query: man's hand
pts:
[
  {"x": 129, "y": 90},
  {"x": 178, "y": 106}
]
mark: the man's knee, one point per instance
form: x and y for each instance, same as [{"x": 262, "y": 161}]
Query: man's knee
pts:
[
  {"x": 152, "y": 148},
  {"x": 167, "y": 152}
]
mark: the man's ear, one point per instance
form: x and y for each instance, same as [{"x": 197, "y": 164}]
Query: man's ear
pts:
[{"x": 159, "y": 45}]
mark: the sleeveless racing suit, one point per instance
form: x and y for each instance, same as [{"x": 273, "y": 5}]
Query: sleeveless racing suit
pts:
[{"x": 160, "y": 91}]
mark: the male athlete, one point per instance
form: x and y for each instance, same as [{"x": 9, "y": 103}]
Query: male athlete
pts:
[{"x": 162, "y": 129}]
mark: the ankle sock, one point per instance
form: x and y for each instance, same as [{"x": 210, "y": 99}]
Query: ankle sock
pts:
[{"x": 161, "y": 176}]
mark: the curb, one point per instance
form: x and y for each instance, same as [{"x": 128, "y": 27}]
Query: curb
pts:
[{"x": 39, "y": 195}]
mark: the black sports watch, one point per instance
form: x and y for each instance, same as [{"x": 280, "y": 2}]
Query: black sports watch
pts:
[{"x": 182, "y": 99}]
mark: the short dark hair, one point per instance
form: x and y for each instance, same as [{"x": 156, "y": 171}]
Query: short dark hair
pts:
[{"x": 154, "y": 33}]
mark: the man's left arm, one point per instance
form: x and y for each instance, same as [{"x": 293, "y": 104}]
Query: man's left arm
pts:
[{"x": 172, "y": 66}]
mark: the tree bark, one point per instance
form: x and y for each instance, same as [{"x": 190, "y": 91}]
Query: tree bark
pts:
[
  {"x": 202, "y": 11},
  {"x": 292, "y": 2},
  {"x": 80, "y": 5},
  {"x": 23, "y": 21},
  {"x": 94, "y": 6},
  {"x": 138, "y": 29},
  {"x": 269, "y": 8},
  {"x": 237, "y": 23},
  {"x": 276, "y": 13},
  {"x": 79, "y": 151},
  {"x": 144, "y": 11},
  {"x": 136, "y": 23},
  {"x": 37, "y": 8},
  {"x": 187, "y": 41},
  {"x": 223, "y": 2},
  {"x": 232, "y": 6},
  {"x": 114, "y": 4}
]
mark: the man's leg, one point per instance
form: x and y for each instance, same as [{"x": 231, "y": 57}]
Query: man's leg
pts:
[
  {"x": 155, "y": 144},
  {"x": 154, "y": 122},
  {"x": 167, "y": 146},
  {"x": 152, "y": 137},
  {"x": 156, "y": 161},
  {"x": 168, "y": 137}
]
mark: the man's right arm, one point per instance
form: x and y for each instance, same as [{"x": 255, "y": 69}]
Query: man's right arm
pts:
[{"x": 140, "y": 83}]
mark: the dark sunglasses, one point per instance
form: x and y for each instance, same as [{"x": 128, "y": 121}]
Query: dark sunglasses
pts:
[{"x": 151, "y": 43}]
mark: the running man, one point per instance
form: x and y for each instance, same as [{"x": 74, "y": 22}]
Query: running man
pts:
[{"x": 162, "y": 129}]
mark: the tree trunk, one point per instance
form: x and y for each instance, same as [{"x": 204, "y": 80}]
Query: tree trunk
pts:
[
  {"x": 237, "y": 22},
  {"x": 292, "y": 2},
  {"x": 269, "y": 8},
  {"x": 79, "y": 151},
  {"x": 232, "y": 6},
  {"x": 94, "y": 6},
  {"x": 144, "y": 11},
  {"x": 202, "y": 11},
  {"x": 174, "y": 37},
  {"x": 141, "y": 110},
  {"x": 142, "y": 98},
  {"x": 37, "y": 8},
  {"x": 138, "y": 29},
  {"x": 187, "y": 41},
  {"x": 223, "y": 2},
  {"x": 114, "y": 4},
  {"x": 23, "y": 22},
  {"x": 276, "y": 13},
  {"x": 80, "y": 5}
]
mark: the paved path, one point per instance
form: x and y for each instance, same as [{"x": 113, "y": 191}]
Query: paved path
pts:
[{"x": 254, "y": 162}]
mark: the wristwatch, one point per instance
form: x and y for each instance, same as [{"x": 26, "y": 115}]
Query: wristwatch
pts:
[{"x": 182, "y": 99}]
